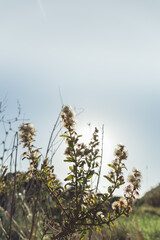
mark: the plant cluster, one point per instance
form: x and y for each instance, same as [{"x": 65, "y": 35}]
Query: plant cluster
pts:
[{"x": 80, "y": 207}]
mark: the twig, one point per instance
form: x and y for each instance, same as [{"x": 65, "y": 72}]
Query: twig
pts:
[
  {"x": 33, "y": 217},
  {"x": 56, "y": 150},
  {"x": 4, "y": 172},
  {"x": 101, "y": 159},
  {"x": 51, "y": 136},
  {"x": 14, "y": 187},
  {"x": 4, "y": 231}
]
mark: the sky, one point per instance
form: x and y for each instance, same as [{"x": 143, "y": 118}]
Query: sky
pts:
[{"x": 101, "y": 57}]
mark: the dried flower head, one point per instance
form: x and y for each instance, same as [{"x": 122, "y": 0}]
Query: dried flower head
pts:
[
  {"x": 111, "y": 174},
  {"x": 120, "y": 152},
  {"x": 131, "y": 179},
  {"x": 67, "y": 151},
  {"x": 34, "y": 154},
  {"x": 115, "y": 206},
  {"x": 127, "y": 190},
  {"x": 100, "y": 214},
  {"x": 122, "y": 202},
  {"x": 67, "y": 116},
  {"x": 135, "y": 179},
  {"x": 136, "y": 173},
  {"x": 121, "y": 179},
  {"x": 27, "y": 131}
]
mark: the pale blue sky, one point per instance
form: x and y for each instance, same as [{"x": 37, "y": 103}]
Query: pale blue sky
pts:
[{"x": 105, "y": 58}]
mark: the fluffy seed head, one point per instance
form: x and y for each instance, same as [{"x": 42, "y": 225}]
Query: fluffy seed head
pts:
[
  {"x": 27, "y": 131},
  {"x": 67, "y": 116}
]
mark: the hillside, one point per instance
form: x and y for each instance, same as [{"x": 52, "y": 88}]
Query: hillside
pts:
[{"x": 151, "y": 198}]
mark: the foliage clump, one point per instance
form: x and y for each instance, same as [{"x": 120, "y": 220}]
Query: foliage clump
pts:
[{"x": 80, "y": 207}]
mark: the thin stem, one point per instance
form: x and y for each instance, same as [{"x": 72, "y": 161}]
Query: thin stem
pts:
[
  {"x": 4, "y": 172},
  {"x": 3, "y": 230},
  {"x": 51, "y": 136},
  {"x": 14, "y": 187},
  {"x": 76, "y": 170},
  {"x": 101, "y": 159},
  {"x": 56, "y": 150},
  {"x": 33, "y": 217}
]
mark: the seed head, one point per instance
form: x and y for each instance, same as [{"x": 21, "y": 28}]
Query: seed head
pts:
[
  {"x": 27, "y": 131},
  {"x": 67, "y": 116},
  {"x": 115, "y": 206}
]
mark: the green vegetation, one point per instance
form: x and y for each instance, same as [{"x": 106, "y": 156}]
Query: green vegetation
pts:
[
  {"x": 35, "y": 205},
  {"x": 142, "y": 224},
  {"x": 151, "y": 198}
]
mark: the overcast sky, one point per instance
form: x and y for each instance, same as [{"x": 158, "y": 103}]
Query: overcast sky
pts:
[{"x": 104, "y": 58}]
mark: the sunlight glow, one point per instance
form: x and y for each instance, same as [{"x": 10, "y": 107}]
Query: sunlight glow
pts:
[{"x": 108, "y": 143}]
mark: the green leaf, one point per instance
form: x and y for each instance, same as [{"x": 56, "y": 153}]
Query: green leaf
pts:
[
  {"x": 124, "y": 168},
  {"x": 90, "y": 175},
  {"x": 123, "y": 215},
  {"x": 88, "y": 163},
  {"x": 65, "y": 136},
  {"x": 80, "y": 136},
  {"x": 109, "y": 179},
  {"x": 68, "y": 160},
  {"x": 97, "y": 229},
  {"x": 49, "y": 182},
  {"x": 112, "y": 166},
  {"x": 109, "y": 189},
  {"x": 83, "y": 234},
  {"x": 121, "y": 183},
  {"x": 112, "y": 224},
  {"x": 71, "y": 169},
  {"x": 70, "y": 177}
]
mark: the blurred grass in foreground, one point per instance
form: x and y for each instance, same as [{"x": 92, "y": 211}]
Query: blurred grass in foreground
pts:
[{"x": 142, "y": 224}]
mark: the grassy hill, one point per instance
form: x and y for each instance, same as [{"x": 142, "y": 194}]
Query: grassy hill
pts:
[
  {"x": 151, "y": 198},
  {"x": 142, "y": 224}
]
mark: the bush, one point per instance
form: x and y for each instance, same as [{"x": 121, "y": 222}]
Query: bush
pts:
[{"x": 52, "y": 211}]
